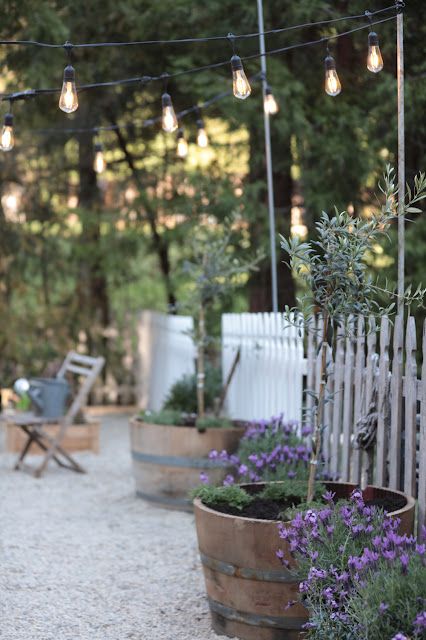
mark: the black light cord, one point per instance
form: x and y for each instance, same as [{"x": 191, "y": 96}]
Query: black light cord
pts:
[
  {"x": 138, "y": 125},
  {"x": 90, "y": 45},
  {"x": 31, "y": 93}
]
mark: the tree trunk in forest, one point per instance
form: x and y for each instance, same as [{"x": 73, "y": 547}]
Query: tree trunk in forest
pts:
[
  {"x": 92, "y": 288},
  {"x": 260, "y": 283},
  {"x": 161, "y": 247}
]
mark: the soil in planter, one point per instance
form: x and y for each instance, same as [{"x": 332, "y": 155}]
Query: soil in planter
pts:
[
  {"x": 267, "y": 509},
  {"x": 260, "y": 508},
  {"x": 387, "y": 503}
]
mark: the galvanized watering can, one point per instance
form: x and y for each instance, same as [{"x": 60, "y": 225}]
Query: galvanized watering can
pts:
[{"x": 49, "y": 396}]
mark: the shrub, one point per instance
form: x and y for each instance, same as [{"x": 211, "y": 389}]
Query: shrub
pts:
[
  {"x": 346, "y": 551},
  {"x": 183, "y": 394},
  {"x": 270, "y": 450},
  {"x": 210, "y": 422},
  {"x": 231, "y": 495},
  {"x": 391, "y": 598}
]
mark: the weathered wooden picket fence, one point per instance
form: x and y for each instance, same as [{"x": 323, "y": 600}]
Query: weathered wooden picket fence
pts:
[
  {"x": 166, "y": 352},
  {"x": 373, "y": 384},
  {"x": 268, "y": 378}
]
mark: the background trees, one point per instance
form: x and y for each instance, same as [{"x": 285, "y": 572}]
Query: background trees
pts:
[{"x": 80, "y": 252}]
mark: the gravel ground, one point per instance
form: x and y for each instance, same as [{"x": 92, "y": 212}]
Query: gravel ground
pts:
[{"x": 82, "y": 558}]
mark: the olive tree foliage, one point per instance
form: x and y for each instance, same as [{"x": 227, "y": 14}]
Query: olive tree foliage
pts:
[
  {"x": 338, "y": 283},
  {"x": 214, "y": 271}
]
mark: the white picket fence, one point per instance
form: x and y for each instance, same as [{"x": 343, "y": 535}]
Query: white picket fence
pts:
[
  {"x": 268, "y": 379},
  {"x": 374, "y": 371},
  {"x": 166, "y": 352}
]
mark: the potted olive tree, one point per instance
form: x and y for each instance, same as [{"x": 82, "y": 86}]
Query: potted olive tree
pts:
[
  {"x": 249, "y": 588},
  {"x": 170, "y": 448}
]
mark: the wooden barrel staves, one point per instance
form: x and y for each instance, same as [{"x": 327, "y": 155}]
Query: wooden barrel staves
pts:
[
  {"x": 247, "y": 587},
  {"x": 167, "y": 460}
]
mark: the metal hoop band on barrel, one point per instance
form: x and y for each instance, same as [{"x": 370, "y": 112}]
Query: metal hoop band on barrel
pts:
[
  {"x": 278, "y": 575},
  {"x": 177, "y": 461},
  {"x": 256, "y": 620}
]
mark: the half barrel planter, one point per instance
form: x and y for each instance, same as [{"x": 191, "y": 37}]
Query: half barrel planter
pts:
[
  {"x": 247, "y": 586},
  {"x": 168, "y": 460}
]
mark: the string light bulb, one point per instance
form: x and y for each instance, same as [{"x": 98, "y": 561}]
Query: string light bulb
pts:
[
  {"x": 99, "y": 164},
  {"x": 182, "y": 145},
  {"x": 202, "y": 137},
  {"x": 68, "y": 101},
  {"x": 7, "y": 137},
  {"x": 332, "y": 82},
  {"x": 270, "y": 105},
  {"x": 374, "y": 57},
  {"x": 169, "y": 119},
  {"x": 240, "y": 83}
]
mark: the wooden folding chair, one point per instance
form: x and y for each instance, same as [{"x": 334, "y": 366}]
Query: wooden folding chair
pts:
[{"x": 84, "y": 367}]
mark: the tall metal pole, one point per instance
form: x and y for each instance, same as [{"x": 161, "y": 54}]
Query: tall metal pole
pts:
[
  {"x": 269, "y": 173},
  {"x": 401, "y": 159}
]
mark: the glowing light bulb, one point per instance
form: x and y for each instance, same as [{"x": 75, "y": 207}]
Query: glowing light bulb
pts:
[
  {"x": 269, "y": 103},
  {"x": 240, "y": 84},
  {"x": 68, "y": 102},
  {"x": 7, "y": 137},
  {"x": 182, "y": 145},
  {"x": 169, "y": 120},
  {"x": 332, "y": 82},
  {"x": 374, "y": 57},
  {"x": 99, "y": 163},
  {"x": 202, "y": 137}
]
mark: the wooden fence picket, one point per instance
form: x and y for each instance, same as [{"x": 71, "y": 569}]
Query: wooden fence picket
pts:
[
  {"x": 396, "y": 406},
  {"x": 347, "y": 402},
  {"x": 410, "y": 422},
  {"x": 380, "y": 477},
  {"x": 422, "y": 442},
  {"x": 359, "y": 328},
  {"x": 368, "y": 391},
  {"x": 337, "y": 404}
]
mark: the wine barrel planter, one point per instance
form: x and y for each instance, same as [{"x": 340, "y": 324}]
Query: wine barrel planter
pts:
[
  {"x": 247, "y": 587},
  {"x": 168, "y": 460}
]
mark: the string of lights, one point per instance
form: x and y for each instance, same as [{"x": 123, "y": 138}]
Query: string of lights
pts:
[
  {"x": 68, "y": 100},
  {"x": 91, "y": 45},
  {"x": 70, "y": 87}
]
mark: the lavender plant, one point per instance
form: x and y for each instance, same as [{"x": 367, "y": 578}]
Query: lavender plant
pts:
[
  {"x": 360, "y": 578},
  {"x": 270, "y": 450}
]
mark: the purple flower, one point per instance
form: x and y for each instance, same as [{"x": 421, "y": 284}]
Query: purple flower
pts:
[
  {"x": 420, "y": 623},
  {"x": 311, "y": 516},
  {"x": 204, "y": 478},
  {"x": 400, "y": 636},
  {"x": 383, "y": 607},
  {"x": 243, "y": 469},
  {"x": 404, "y": 558},
  {"x": 228, "y": 480}
]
